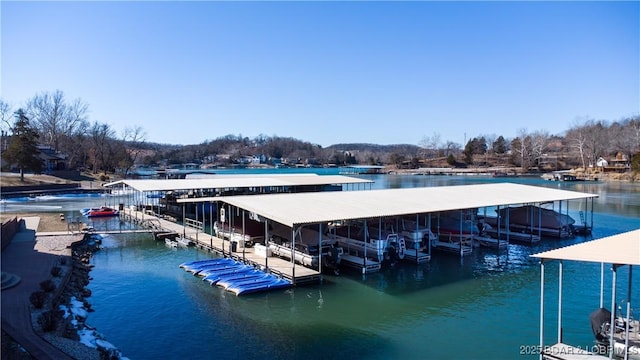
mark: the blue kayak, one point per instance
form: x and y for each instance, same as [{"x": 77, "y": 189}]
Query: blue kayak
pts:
[
  {"x": 200, "y": 270},
  {"x": 252, "y": 288},
  {"x": 242, "y": 282},
  {"x": 230, "y": 274},
  {"x": 196, "y": 263},
  {"x": 218, "y": 262},
  {"x": 225, "y": 269},
  {"x": 247, "y": 279}
]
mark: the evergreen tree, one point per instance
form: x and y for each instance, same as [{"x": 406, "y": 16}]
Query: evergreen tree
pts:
[
  {"x": 23, "y": 146},
  {"x": 500, "y": 145}
]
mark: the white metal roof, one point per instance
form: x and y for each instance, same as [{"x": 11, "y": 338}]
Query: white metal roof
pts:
[
  {"x": 241, "y": 181},
  {"x": 306, "y": 208},
  {"x": 621, "y": 249}
]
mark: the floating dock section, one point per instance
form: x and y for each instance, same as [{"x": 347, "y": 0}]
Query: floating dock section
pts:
[{"x": 235, "y": 276}]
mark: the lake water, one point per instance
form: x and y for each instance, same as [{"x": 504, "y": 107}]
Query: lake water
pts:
[{"x": 485, "y": 306}]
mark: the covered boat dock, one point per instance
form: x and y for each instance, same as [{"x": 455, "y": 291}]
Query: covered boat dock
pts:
[
  {"x": 148, "y": 194},
  {"x": 318, "y": 209},
  {"x": 617, "y": 250}
]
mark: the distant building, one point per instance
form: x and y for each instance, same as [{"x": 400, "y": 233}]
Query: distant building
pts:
[
  {"x": 618, "y": 164},
  {"x": 52, "y": 160},
  {"x": 602, "y": 162}
]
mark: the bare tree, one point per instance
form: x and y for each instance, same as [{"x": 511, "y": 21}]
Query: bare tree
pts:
[
  {"x": 521, "y": 148},
  {"x": 55, "y": 118},
  {"x": 132, "y": 138},
  {"x": 5, "y": 115},
  {"x": 596, "y": 136},
  {"x": 538, "y": 145},
  {"x": 5, "y": 124},
  {"x": 430, "y": 145},
  {"x": 452, "y": 148},
  {"x": 100, "y": 153},
  {"x": 490, "y": 139},
  {"x": 577, "y": 140}
]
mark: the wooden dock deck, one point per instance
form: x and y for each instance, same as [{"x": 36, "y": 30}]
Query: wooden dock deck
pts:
[{"x": 296, "y": 273}]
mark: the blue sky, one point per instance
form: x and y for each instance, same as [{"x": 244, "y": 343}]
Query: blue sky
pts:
[{"x": 328, "y": 72}]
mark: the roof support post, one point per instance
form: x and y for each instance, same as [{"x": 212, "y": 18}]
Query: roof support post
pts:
[
  {"x": 601, "y": 285},
  {"x": 498, "y": 222},
  {"x": 415, "y": 240},
  {"x": 560, "y": 212},
  {"x": 196, "y": 206},
  {"x": 211, "y": 225},
  {"x": 541, "y": 307},
  {"x": 184, "y": 218},
  {"x": 460, "y": 233},
  {"x": 626, "y": 338},
  {"x": 429, "y": 235},
  {"x": 244, "y": 239},
  {"x": 293, "y": 255},
  {"x": 364, "y": 256},
  {"x": 266, "y": 243},
  {"x": 612, "y": 323},
  {"x": 320, "y": 250},
  {"x": 540, "y": 221},
  {"x": 560, "y": 302}
]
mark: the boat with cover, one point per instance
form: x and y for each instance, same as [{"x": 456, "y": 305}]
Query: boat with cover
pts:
[{"x": 536, "y": 219}]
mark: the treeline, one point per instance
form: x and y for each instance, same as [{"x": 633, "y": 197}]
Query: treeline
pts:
[{"x": 65, "y": 126}]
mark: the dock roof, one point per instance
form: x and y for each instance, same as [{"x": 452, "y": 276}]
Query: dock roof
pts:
[
  {"x": 621, "y": 249},
  {"x": 308, "y": 208},
  {"x": 237, "y": 181}
]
